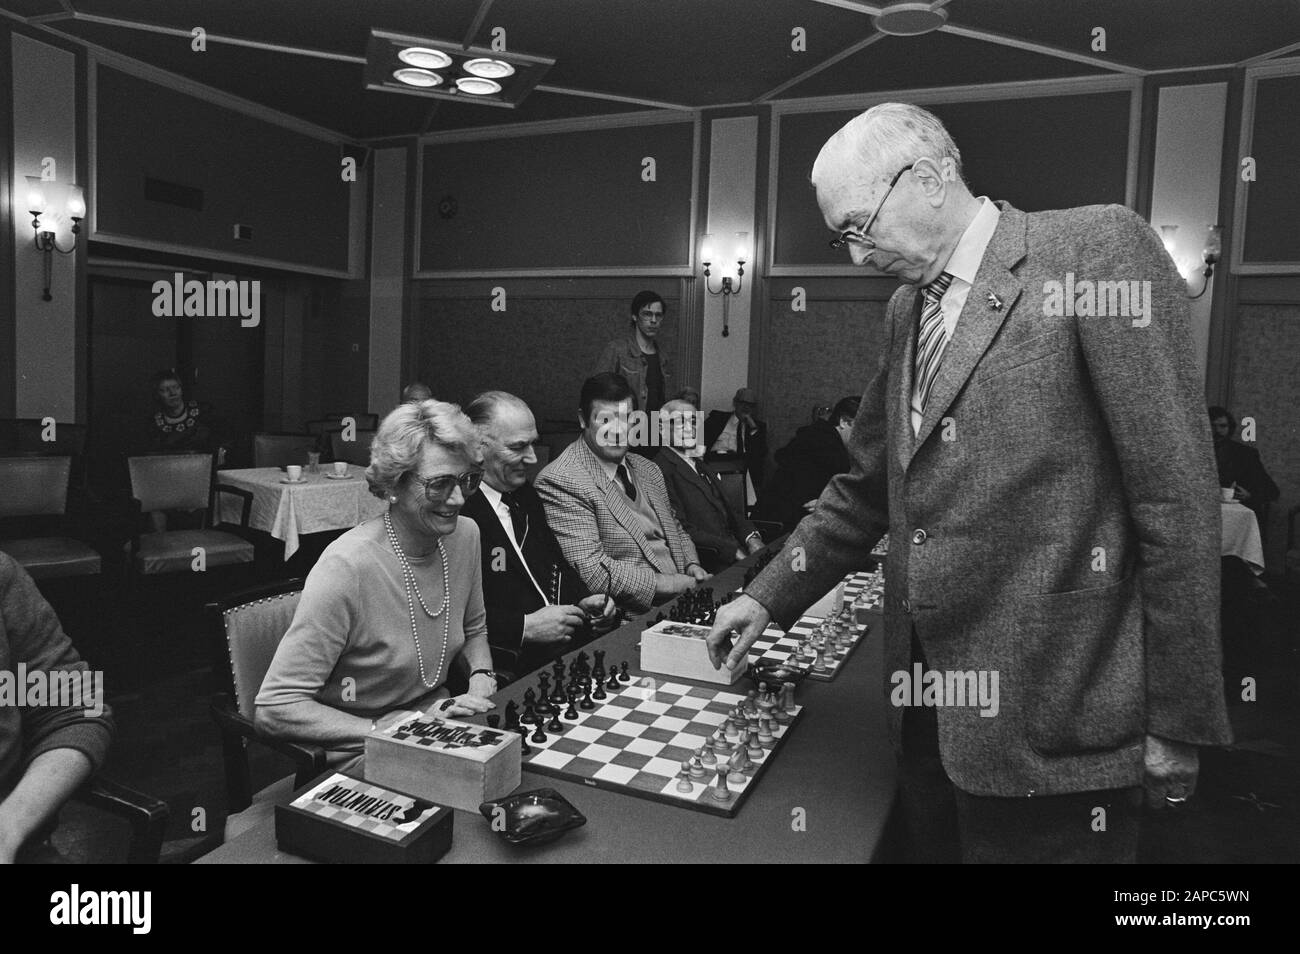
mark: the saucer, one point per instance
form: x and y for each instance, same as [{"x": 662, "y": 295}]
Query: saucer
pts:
[
  {"x": 286, "y": 480},
  {"x": 339, "y": 476}
]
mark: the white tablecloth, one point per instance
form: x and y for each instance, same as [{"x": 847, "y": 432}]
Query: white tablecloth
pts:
[
  {"x": 286, "y": 511},
  {"x": 1241, "y": 535}
]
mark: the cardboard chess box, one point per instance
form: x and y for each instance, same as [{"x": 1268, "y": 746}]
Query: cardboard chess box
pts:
[
  {"x": 679, "y": 649},
  {"x": 342, "y": 819},
  {"x": 448, "y": 762}
]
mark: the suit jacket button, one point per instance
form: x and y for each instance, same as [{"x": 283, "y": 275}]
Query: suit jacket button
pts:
[{"x": 918, "y": 537}]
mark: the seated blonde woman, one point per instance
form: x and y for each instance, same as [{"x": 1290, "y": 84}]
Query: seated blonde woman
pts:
[{"x": 393, "y": 603}]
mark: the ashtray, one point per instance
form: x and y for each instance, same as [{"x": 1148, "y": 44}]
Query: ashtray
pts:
[
  {"x": 774, "y": 672},
  {"x": 532, "y": 818}
]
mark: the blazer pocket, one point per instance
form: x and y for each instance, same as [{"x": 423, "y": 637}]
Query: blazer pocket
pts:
[
  {"x": 1085, "y": 670},
  {"x": 1002, "y": 360}
]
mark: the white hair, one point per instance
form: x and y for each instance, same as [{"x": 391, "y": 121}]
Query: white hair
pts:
[
  {"x": 405, "y": 432},
  {"x": 890, "y": 136}
]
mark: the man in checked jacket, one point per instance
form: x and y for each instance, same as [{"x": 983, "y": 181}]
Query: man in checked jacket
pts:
[
  {"x": 610, "y": 511},
  {"x": 1039, "y": 456}
]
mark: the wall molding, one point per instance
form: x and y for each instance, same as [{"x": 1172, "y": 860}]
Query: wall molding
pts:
[{"x": 1237, "y": 263}]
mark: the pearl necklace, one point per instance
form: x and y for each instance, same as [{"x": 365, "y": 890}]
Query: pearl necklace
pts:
[{"x": 408, "y": 576}]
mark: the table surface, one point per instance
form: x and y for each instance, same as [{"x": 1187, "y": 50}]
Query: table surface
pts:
[
  {"x": 1241, "y": 535},
  {"x": 835, "y": 775}
]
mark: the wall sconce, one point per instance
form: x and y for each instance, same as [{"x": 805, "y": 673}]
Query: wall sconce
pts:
[
  {"x": 51, "y": 205},
  {"x": 1211, "y": 252},
  {"x": 731, "y": 285}
]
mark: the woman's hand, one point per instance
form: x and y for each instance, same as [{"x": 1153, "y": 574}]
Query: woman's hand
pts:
[
  {"x": 467, "y": 705},
  {"x": 482, "y": 685}
]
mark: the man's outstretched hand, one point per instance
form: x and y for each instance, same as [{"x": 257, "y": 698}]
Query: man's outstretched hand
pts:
[{"x": 745, "y": 617}]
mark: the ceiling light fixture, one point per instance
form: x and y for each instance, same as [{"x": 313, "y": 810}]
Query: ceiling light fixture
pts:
[
  {"x": 477, "y": 86},
  {"x": 910, "y": 19},
  {"x": 489, "y": 68},
  {"x": 424, "y": 58},
  {"x": 415, "y": 77}
]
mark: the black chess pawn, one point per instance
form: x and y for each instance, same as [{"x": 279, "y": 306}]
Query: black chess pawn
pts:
[
  {"x": 571, "y": 712},
  {"x": 539, "y": 736},
  {"x": 598, "y": 690},
  {"x": 555, "y": 726},
  {"x": 544, "y": 687},
  {"x": 622, "y": 673},
  {"x": 586, "y": 702},
  {"x": 525, "y": 748},
  {"x": 612, "y": 682}
]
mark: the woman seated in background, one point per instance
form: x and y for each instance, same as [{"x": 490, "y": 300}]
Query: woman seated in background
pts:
[
  {"x": 181, "y": 425},
  {"x": 392, "y": 603}
]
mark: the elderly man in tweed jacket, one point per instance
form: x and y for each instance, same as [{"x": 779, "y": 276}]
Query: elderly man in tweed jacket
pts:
[
  {"x": 1034, "y": 443},
  {"x": 609, "y": 509}
]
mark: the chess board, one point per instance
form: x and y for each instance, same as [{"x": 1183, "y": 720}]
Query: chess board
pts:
[
  {"x": 855, "y": 583},
  {"x": 776, "y": 646},
  {"x": 635, "y": 741}
]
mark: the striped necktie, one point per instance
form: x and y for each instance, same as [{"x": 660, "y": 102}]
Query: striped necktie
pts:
[{"x": 932, "y": 338}]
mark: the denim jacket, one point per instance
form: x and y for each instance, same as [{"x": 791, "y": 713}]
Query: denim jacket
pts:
[{"x": 623, "y": 356}]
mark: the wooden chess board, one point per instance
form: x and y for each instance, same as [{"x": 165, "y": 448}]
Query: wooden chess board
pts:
[{"x": 635, "y": 741}]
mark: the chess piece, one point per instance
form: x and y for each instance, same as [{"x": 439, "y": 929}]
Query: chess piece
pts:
[
  {"x": 538, "y": 735},
  {"x": 719, "y": 792},
  {"x": 557, "y": 694},
  {"x": 530, "y": 698},
  {"x": 696, "y": 767},
  {"x": 622, "y": 673},
  {"x": 494, "y": 721},
  {"x": 571, "y": 713},
  {"x": 599, "y": 692},
  {"x": 512, "y": 715},
  {"x": 765, "y": 736},
  {"x": 752, "y": 746},
  {"x": 684, "y": 779},
  {"x": 555, "y": 725},
  {"x": 707, "y": 756},
  {"x": 525, "y": 748},
  {"x": 530, "y": 715},
  {"x": 544, "y": 687},
  {"x": 819, "y": 664},
  {"x": 586, "y": 702},
  {"x": 736, "y": 775},
  {"x": 612, "y": 683}
]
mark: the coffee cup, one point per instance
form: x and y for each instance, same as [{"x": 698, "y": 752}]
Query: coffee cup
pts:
[
  {"x": 340, "y": 468},
  {"x": 294, "y": 471}
]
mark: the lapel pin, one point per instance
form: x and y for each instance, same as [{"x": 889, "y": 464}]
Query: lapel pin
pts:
[{"x": 995, "y": 302}]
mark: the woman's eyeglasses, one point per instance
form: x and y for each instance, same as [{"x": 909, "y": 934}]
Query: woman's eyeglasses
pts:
[{"x": 437, "y": 489}]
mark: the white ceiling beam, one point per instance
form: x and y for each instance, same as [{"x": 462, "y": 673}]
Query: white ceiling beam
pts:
[
  {"x": 1280, "y": 51},
  {"x": 477, "y": 25},
  {"x": 823, "y": 65},
  {"x": 614, "y": 98},
  {"x": 50, "y": 17},
  {"x": 871, "y": 9},
  {"x": 1002, "y": 39},
  {"x": 221, "y": 38}
]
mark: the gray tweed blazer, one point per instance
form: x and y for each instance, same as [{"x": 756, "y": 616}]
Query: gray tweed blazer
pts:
[{"x": 1054, "y": 520}]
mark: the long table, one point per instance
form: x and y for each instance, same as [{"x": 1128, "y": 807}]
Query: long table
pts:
[{"x": 825, "y": 797}]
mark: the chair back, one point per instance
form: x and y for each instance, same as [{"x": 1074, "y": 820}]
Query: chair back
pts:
[
  {"x": 280, "y": 450},
  {"x": 171, "y": 481},
  {"x": 355, "y": 451},
  {"x": 34, "y": 486},
  {"x": 251, "y": 624}
]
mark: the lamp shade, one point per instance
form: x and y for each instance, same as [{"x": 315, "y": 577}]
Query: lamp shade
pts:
[
  {"x": 742, "y": 247},
  {"x": 706, "y": 249},
  {"x": 76, "y": 202},
  {"x": 1213, "y": 244},
  {"x": 35, "y": 195}
]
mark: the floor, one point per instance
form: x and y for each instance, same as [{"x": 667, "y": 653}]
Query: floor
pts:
[{"x": 152, "y": 647}]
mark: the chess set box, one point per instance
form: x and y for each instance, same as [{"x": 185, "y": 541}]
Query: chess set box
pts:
[
  {"x": 345, "y": 820},
  {"x": 448, "y": 762}
]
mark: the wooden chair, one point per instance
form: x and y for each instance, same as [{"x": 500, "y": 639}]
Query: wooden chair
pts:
[
  {"x": 37, "y": 487},
  {"x": 356, "y": 451},
  {"x": 146, "y": 815},
  {"x": 245, "y": 630},
  {"x": 280, "y": 450},
  {"x": 170, "y": 482}
]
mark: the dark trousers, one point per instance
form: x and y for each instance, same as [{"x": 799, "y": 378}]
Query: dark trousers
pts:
[{"x": 943, "y": 824}]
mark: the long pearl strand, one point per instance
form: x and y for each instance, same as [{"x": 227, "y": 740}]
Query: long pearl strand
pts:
[{"x": 409, "y": 577}]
